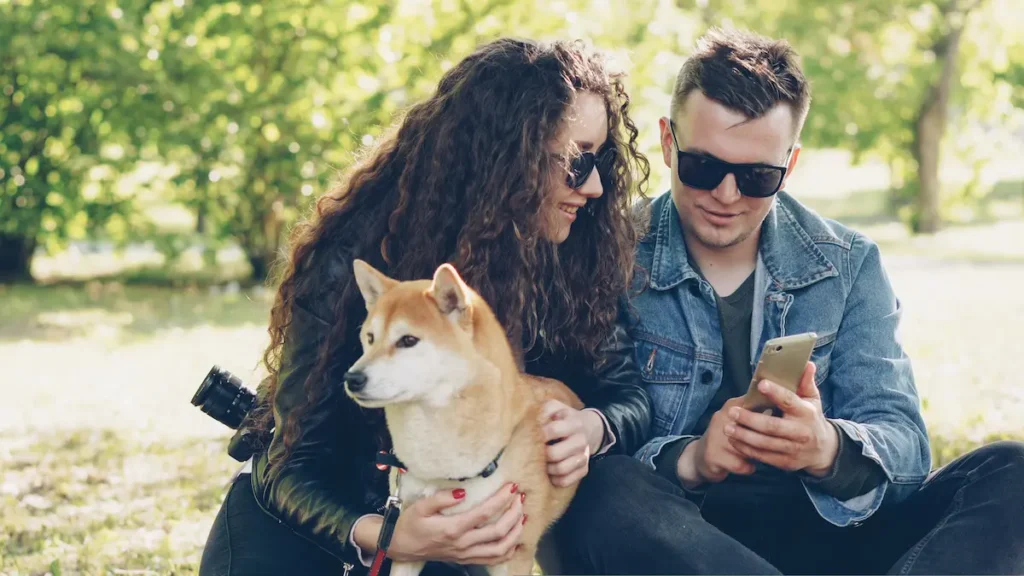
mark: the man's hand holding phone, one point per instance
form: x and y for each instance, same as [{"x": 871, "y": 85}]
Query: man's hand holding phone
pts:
[
  {"x": 712, "y": 457},
  {"x": 742, "y": 432},
  {"x": 802, "y": 439}
]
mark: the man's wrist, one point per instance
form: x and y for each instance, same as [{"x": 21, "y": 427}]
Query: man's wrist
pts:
[
  {"x": 686, "y": 466},
  {"x": 830, "y": 453}
]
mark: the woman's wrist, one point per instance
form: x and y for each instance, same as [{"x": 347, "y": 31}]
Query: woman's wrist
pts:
[
  {"x": 366, "y": 532},
  {"x": 595, "y": 430}
]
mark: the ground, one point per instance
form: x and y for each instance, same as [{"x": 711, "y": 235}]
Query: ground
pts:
[{"x": 108, "y": 469}]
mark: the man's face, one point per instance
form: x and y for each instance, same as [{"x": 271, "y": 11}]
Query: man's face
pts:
[{"x": 722, "y": 217}]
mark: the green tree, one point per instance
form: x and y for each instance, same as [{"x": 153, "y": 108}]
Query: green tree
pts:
[
  {"x": 889, "y": 77},
  {"x": 74, "y": 101},
  {"x": 270, "y": 101}
]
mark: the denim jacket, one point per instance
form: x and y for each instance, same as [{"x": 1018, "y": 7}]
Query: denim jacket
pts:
[{"x": 812, "y": 274}]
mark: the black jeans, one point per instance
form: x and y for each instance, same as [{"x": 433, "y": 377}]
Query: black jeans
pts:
[
  {"x": 967, "y": 518},
  {"x": 246, "y": 540}
]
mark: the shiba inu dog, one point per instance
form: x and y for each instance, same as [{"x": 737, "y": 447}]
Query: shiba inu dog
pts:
[{"x": 459, "y": 411}]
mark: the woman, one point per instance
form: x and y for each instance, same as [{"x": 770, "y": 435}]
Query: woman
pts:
[{"x": 518, "y": 170}]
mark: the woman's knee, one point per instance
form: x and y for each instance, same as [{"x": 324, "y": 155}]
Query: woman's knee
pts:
[
  {"x": 216, "y": 558},
  {"x": 612, "y": 479},
  {"x": 609, "y": 472},
  {"x": 618, "y": 491}
]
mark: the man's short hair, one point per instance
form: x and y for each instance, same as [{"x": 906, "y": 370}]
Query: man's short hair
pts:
[{"x": 745, "y": 72}]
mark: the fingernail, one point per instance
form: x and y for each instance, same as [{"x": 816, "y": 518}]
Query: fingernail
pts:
[
  {"x": 515, "y": 488},
  {"x": 524, "y": 519},
  {"x": 734, "y": 413},
  {"x": 763, "y": 386},
  {"x": 730, "y": 429},
  {"x": 459, "y": 493},
  {"x": 522, "y": 497}
]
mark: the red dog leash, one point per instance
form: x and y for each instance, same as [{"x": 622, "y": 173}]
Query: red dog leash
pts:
[{"x": 392, "y": 509}]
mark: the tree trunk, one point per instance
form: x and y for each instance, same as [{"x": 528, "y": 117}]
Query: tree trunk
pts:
[
  {"x": 16, "y": 258},
  {"x": 263, "y": 252},
  {"x": 260, "y": 265},
  {"x": 929, "y": 130},
  {"x": 201, "y": 219}
]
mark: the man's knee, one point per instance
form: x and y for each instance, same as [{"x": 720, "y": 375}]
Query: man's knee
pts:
[
  {"x": 997, "y": 471},
  {"x": 1004, "y": 457},
  {"x": 1009, "y": 452}
]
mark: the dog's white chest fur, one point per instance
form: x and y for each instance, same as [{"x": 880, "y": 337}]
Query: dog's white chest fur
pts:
[
  {"x": 410, "y": 489},
  {"x": 477, "y": 489}
]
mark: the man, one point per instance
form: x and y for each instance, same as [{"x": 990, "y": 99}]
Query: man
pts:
[{"x": 840, "y": 482}]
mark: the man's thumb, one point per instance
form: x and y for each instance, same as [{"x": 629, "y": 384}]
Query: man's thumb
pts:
[{"x": 807, "y": 388}]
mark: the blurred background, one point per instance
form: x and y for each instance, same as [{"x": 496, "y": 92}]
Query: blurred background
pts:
[{"x": 154, "y": 153}]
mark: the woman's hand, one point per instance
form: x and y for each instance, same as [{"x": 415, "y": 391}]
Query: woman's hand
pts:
[
  {"x": 424, "y": 534},
  {"x": 572, "y": 436}
]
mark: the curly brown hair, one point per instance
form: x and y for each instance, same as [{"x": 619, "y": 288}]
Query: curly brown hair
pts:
[{"x": 463, "y": 179}]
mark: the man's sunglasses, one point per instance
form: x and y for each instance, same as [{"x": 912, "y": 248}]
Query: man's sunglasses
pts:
[
  {"x": 582, "y": 166},
  {"x": 706, "y": 173}
]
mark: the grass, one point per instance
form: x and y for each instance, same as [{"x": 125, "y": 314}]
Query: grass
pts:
[
  {"x": 108, "y": 469},
  {"x": 100, "y": 501}
]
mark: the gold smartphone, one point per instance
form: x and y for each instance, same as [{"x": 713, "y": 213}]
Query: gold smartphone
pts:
[{"x": 782, "y": 361}]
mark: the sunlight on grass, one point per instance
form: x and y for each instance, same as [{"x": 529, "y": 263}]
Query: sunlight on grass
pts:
[
  {"x": 96, "y": 501},
  {"x": 108, "y": 467}
]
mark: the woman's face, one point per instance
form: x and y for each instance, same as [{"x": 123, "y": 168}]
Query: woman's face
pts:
[{"x": 584, "y": 129}]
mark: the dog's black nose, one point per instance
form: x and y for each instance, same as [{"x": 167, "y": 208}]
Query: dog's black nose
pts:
[{"x": 355, "y": 381}]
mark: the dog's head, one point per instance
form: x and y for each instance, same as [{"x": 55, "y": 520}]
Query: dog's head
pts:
[{"x": 419, "y": 339}]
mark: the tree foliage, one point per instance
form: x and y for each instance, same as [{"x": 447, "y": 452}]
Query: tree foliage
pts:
[
  {"x": 74, "y": 104},
  {"x": 876, "y": 68},
  {"x": 242, "y": 111}
]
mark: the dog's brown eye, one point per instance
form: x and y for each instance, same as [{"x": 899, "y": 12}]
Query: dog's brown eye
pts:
[
  {"x": 407, "y": 341},
  {"x": 369, "y": 337}
]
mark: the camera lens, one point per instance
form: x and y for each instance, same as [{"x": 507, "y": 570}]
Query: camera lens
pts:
[{"x": 224, "y": 397}]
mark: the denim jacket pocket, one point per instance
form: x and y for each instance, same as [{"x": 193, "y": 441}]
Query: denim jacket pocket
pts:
[{"x": 666, "y": 370}]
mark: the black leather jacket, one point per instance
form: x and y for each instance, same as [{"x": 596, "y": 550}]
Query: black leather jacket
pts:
[{"x": 330, "y": 479}]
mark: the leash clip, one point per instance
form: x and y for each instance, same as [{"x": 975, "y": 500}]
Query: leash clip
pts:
[{"x": 391, "y": 511}]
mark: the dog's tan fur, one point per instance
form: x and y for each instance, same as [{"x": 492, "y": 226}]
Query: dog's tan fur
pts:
[{"x": 458, "y": 426}]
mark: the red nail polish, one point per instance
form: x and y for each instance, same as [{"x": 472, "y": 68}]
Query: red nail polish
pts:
[
  {"x": 515, "y": 488},
  {"x": 522, "y": 497},
  {"x": 459, "y": 493}
]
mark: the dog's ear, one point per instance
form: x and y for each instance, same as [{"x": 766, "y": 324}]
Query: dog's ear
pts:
[
  {"x": 372, "y": 283},
  {"x": 450, "y": 292}
]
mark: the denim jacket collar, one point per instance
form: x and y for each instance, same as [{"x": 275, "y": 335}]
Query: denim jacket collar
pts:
[{"x": 787, "y": 251}]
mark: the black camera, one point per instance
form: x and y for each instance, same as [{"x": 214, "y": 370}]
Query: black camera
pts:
[{"x": 225, "y": 398}]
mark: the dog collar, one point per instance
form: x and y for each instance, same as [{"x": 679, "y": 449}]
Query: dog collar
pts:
[
  {"x": 387, "y": 460},
  {"x": 487, "y": 471}
]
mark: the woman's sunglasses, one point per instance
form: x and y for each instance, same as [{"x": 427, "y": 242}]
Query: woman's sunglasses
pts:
[
  {"x": 706, "y": 173},
  {"x": 582, "y": 166}
]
